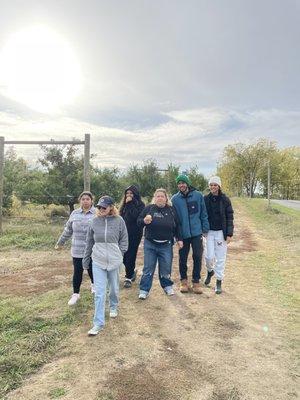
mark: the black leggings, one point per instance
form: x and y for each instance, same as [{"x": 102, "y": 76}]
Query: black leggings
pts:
[
  {"x": 130, "y": 255},
  {"x": 77, "y": 275}
]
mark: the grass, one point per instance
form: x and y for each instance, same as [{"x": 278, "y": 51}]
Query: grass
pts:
[
  {"x": 278, "y": 251},
  {"x": 31, "y": 336},
  {"x": 30, "y": 234},
  {"x": 35, "y": 330}
]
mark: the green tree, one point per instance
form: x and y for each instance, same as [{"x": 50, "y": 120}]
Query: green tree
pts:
[
  {"x": 147, "y": 178},
  {"x": 106, "y": 181},
  {"x": 197, "y": 179},
  {"x": 15, "y": 169},
  {"x": 64, "y": 181},
  {"x": 241, "y": 166}
]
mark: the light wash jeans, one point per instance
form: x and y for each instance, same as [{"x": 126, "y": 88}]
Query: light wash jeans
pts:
[
  {"x": 101, "y": 277},
  {"x": 215, "y": 253}
]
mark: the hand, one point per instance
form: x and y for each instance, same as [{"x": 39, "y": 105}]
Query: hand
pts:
[
  {"x": 148, "y": 219},
  {"x": 228, "y": 240},
  {"x": 180, "y": 244},
  {"x": 85, "y": 266},
  {"x": 128, "y": 199},
  {"x": 57, "y": 247}
]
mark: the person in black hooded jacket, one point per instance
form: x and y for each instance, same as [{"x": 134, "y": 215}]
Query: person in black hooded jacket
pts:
[
  {"x": 130, "y": 209},
  {"x": 220, "y": 218}
]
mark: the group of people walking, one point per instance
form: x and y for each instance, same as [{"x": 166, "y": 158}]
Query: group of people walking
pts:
[{"x": 103, "y": 239}]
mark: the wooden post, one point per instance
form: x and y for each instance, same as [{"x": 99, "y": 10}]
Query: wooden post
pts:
[
  {"x": 269, "y": 184},
  {"x": 86, "y": 171},
  {"x": 1, "y": 179}
]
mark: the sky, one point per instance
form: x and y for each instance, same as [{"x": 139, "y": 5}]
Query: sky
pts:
[{"x": 175, "y": 81}]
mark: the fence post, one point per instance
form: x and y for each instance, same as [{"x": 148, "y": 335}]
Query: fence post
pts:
[
  {"x": 269, "y": 184},
  {"x": 1, "y": 179},
  {"x": 86, "y": 171}
]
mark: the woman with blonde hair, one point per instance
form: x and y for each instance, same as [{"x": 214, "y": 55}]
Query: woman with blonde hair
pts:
[
  {"x": 162, "y": 225},
  {"x": 107, "y": 241}
]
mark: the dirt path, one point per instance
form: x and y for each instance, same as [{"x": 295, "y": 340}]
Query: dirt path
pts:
[{"x": 187, "y": 347}]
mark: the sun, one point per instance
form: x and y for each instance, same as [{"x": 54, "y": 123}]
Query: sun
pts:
[{"x": 39, "y": 69}]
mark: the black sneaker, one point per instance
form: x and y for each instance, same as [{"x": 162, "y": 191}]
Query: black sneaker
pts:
[
  {"x": 210, "y": 274},
  {"x": 218, "y": 288},
  {"x": 127, "y": 283},
  {"x": 133, "y": 277}
]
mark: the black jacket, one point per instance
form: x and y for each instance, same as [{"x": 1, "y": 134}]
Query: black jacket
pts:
[
  {"x": 130, "y": 211},
  {"x": 164, "y": 225},
  {"x": 226, "y": 212}
]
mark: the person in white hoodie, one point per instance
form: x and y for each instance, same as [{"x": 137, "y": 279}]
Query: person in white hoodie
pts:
[{"x": 106, "y": 243}]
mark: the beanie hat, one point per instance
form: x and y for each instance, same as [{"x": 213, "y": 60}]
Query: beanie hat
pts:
[
  {"x": 215, "y": 179},
  {"x": 183, "y": 178}
]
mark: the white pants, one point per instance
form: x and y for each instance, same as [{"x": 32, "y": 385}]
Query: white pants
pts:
[{"x": 215, "y": 253}]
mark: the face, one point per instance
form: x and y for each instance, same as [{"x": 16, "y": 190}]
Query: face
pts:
[
  {"x": 104, "y": 211},
  {"x": 182, "y": 186},
  {"x": 86, "y": 202},
  {"x": 214, "y": 188},
  {"x": 160, "y": 199},
  {"x": 129, "y": 194}
]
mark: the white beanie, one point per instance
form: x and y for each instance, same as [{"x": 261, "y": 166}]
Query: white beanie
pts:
[{"x": 215, "y": 179}]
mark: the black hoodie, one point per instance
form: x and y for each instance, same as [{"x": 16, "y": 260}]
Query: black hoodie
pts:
[{"x": 130, "y": 211}]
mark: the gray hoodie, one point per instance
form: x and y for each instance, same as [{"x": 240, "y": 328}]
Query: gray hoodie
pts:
[{"x": 106, "y": 242}]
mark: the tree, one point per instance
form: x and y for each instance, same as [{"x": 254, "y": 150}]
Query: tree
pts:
[
  {"x": 147, "y": 178},
  {"x": 169, "y": 178},
  {"x": 15, "y": 170},
  {"x": 197, "y": 179},
  {"x": 241, "y": 165},
  {"x": 64, "y": 180},
  {"x": 106, "y": 181}
]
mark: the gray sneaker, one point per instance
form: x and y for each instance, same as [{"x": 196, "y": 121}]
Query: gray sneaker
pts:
[
  {"x": 143, "y": 295},
  {"x": 113, "y": 313},
  {"x": 95, "y": 330}
]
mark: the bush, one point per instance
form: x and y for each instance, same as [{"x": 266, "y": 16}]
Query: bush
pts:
[{"x": 55, "y": 211}]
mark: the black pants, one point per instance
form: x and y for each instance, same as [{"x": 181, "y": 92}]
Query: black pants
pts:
[
  {"x": 130, "y": 255},
  {"x": 77, "y": 275},
  {"x": 197, "y": 247}
]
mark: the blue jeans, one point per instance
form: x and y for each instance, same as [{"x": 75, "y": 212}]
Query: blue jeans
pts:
[
  {"x": 153, "y": 252},
  {"x": 101, "y": 276}
]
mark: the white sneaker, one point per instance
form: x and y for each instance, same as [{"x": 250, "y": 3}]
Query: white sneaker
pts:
[
  {"x": 95, "y": 330},
  {"x": 74, "y": 298},
  {"x": 93, "y": 291},
  {"x": 169, "y": 290},
  {"x": 113, "y": 313},
  {"x": 143, "y": 295}
]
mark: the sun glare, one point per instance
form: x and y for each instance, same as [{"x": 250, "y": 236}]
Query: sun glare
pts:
[{"x": 38, "y": 68}]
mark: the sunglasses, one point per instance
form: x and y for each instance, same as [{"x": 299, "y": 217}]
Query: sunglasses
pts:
[{"x": 102, "y": 208}]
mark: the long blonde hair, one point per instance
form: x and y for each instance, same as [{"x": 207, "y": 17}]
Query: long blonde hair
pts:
[
  {"x": 161, "y": 190},
  {"x": 113, "y": 211}
]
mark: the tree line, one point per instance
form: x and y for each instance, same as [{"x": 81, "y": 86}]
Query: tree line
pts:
[
  {"x": 244, "y": 170},
  {"x": 58, "y": 177}
]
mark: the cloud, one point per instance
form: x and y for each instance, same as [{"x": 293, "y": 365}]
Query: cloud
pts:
[{"x": 186, "y": 137}]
